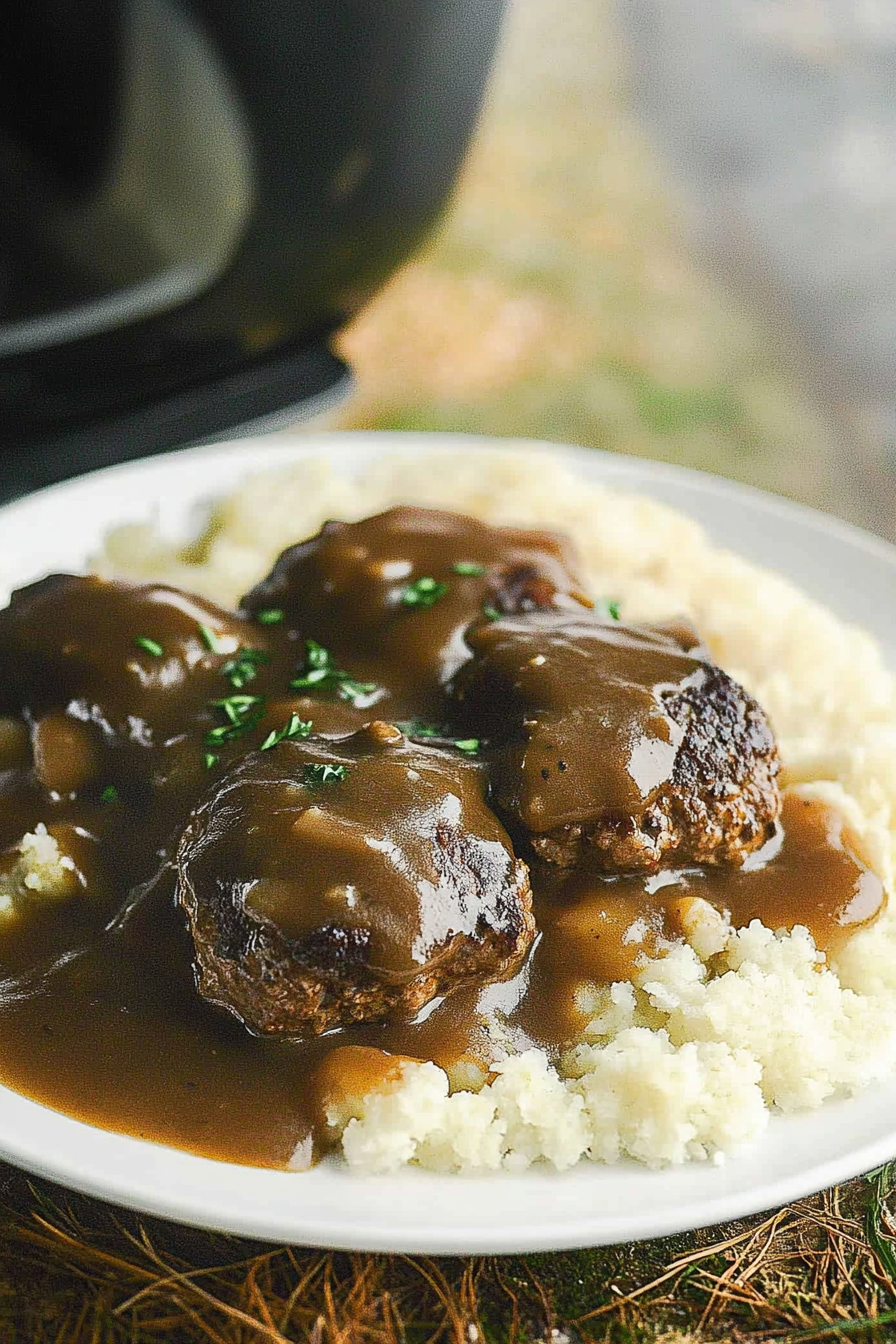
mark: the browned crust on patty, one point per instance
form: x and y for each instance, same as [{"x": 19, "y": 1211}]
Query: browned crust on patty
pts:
[
  {"x": 278, "y": 986},
  {"x": 723, "y": 801}
]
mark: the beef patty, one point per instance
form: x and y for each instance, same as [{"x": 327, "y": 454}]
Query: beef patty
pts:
[
  {"x": 334, "y": 882},
  {"x": 392, "y": 595},
  {"x": 626, "y": 743}
]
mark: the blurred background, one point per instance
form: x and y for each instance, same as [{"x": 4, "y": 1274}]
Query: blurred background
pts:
[{"x": 673, "y": 237}]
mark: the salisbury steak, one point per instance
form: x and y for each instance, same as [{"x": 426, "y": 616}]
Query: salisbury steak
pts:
[
  {"x": 623, "y": 742},
  {"x": 392, "y": 595},
  {"x": 328, "y": 883},
  {"x": 112, "y": 678}
]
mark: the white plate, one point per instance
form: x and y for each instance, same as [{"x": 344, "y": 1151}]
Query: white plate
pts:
[{"x": 853, "y": 573}]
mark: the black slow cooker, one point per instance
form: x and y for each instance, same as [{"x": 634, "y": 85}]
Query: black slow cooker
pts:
[{"x": 196, "y": 194}]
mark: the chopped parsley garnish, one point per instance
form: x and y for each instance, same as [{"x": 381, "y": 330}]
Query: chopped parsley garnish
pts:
[
  {"x": 417, "y": 728},
  {"x": 238, "y": 707},
  {"x": 210, "y": 639},
  {"x": 295, "y": 728},
  {"x": 225, "y": 732},
  {"x": 318, "y": 668},
  {"x": 271, "y": 616},
  {"x": 211, "y": 759},
  {"x": 468, "y": 745},
  {"x": 423, "y": 592},
  {"x": 468, "y": 567},
  {"x": 242, "y": 713},
  {"x": 491, "y": 613},
  {"x": 149, "y": 645},
  {"x": 315, "y": 775},
  {"x": 320, "y": 672},
  {"x": 109, "y": 794},
  {"x": 610, "y": 609},
  {"x": 243, "y": 667},
  {"x": 216, "y": 737}
]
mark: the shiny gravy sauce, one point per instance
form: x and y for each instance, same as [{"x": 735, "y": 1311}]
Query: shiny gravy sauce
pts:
[{"x": 107, "y": 744}]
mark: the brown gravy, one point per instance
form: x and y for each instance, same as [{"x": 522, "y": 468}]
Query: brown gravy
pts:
[
  {"x": 586, "y": 682},
  {"x": 118, "y": 1037},
  {"x": 99, "y": 1011}
]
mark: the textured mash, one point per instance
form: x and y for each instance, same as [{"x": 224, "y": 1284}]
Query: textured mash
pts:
[
  {"x": 35, "y": 870},
  {"x": 685, "y": 1062}
]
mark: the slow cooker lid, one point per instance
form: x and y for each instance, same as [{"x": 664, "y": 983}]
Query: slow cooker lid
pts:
[{"x": 289, "y": 385}]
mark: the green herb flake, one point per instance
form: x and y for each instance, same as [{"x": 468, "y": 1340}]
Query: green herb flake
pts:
[
  {"x": 313, "y": 776},
  {"x": 238, "y": 703},
  {"x": 317, "y": 668},
  {"x": 238, "y": 707},
  {"x": 469, "y": 568},
  {"x": 271, "y": 616},
  {"x": 417, "y": 728},
  {"x": 149, "y": 645},
  {"x": 109, "y": 794},
  {"x": 296, "y": 727},
  {"x": 242, "y": 712},
  {"x": 226, "y": 732},
  {"x": 491, "y": 613},
  {"x": 468, "y": 745},
  {"x": 320, "y": 672},
  {"x": 210, "y": 639},
  {"x": 613, "y": 611},
  {"x": 423, "y": 592},
  {"x": 211, "y": 759},
  {"x": 216, "y": 737},
  {"x": 243, "y": 667}
]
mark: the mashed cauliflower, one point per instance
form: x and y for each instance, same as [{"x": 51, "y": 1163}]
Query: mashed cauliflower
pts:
[{"x": 688, "y": 1060}]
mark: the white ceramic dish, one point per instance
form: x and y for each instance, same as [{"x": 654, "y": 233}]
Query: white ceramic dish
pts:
[{"x": 853, "y": 573}]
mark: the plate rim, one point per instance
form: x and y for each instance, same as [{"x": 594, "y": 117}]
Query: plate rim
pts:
[{"x": 300, "y": 442}]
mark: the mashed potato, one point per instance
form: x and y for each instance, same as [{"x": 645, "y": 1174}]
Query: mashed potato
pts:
[
  {"x": 35, "y": 870},
  {"x": 688, "y": 1060}
]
